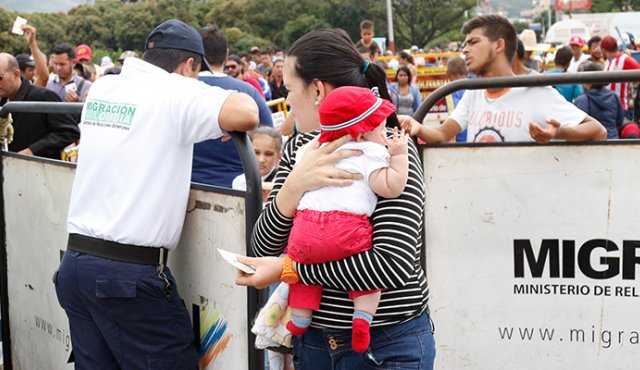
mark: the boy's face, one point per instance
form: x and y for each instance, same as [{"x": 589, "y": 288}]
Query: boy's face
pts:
[
  {"x": 367, "y": 35},
  {"x": 479, "y": 52}
]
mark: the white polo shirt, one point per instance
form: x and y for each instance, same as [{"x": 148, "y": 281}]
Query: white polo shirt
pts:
[{"x": 134, "y": 169}]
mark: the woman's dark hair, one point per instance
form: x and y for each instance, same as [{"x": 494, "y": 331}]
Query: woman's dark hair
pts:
[
  {"x": 330, "y": 56},
  {"x": 406, "y": 70},
  {"x": 406, "y": 56}
]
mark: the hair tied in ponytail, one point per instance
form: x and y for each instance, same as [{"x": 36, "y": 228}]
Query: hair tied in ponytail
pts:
[{"x": 365, "y": 66}]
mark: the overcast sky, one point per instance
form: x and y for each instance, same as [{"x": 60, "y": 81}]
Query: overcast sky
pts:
[{"x": 44, "y": 6}]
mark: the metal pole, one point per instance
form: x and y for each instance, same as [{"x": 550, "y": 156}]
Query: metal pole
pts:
[
  {"x": 253, "y": 208},
  {"x": 548, "y": 19},
  {"x": 523, "y": 81},
  {"x": 392, "y": 44}
]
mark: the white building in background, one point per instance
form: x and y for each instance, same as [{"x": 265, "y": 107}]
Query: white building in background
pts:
[{"x": 614, "y": 24}]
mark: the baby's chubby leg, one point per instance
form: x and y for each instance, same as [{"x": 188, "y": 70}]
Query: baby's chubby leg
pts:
[
  {"x": 300, "y": 321},
  {"x": 365, "y": 307}
]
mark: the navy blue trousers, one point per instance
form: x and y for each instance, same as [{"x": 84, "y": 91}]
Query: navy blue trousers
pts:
[{"x": 121, "y": 317}]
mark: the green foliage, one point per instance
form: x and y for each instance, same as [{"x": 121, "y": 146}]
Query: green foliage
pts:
[
  {"x": 10, "y": 43},
  {"x": 418, "y": 22},
  {"x": 110, "y": 26},
  {"x": 520, "y": 26},
  {"x": 240, "y": 41},
  {"x": 603, "y": 6},
  {"x": 301, "y": 25}
]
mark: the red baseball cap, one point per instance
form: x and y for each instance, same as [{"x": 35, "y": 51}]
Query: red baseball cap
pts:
[
  {"x": 351, "y": 110},
  {"x": 630, "y": 131},
  {"x": 609, "y": 43},
  {"x": 83, "y": 52},
  {"x": 576, "y": 40}
]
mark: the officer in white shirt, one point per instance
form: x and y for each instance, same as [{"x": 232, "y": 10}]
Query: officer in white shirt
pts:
[{"x": 129, "y": 201}]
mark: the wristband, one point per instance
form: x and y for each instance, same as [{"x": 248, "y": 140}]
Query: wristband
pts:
[{"x": 288, "y": 274}]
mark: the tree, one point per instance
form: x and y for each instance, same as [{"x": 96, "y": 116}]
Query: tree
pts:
[
  {"x": 417, "y": 22},
  {"x": 240, "y": 41},
  {"x": 520, "y": 26},
  {"x": 604, "y": 6},
  {"x": 294, "y": 29}
]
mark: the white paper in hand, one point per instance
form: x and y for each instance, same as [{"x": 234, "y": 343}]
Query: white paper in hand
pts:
[
  {"x": 233, "y": 261},
  {"x": 17, "y": 25}
]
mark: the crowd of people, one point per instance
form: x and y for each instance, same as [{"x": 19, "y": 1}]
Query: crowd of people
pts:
[
  {"x": 616, "y": 106},
  {"x": 176, "y": 104}
]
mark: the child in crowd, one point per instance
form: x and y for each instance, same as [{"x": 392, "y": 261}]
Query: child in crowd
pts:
[
  {"x": 601, "y": 103},
  {"x": 367, "y": 31},
  {"x": 332, "y": 222},
  {"x": 267, "y": 145}
]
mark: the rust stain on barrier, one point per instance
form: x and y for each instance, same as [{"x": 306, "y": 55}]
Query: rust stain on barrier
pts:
[
  {"x": 200, "y": 205},
  {"x": 221, "y": 209},
  {"x": 206, "y": 206}
]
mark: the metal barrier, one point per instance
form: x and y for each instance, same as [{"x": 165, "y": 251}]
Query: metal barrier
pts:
[
  {"x": 522, "y": 81},
  {"x": 280, "y": 104},
  {"x": 253, "y": 208}
]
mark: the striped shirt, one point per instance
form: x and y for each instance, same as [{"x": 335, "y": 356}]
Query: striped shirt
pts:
[
  {"x": 623, "y": 89},
  {"x": 393, "y": 264}
]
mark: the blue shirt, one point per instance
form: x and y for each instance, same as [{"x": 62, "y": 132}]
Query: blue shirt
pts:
[
  {"x": 570, "y": 92},
  {"x": 216, "y": 162}
]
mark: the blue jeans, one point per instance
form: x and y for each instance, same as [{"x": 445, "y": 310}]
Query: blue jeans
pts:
[
  {"x": 121, "y": 316},
  {"x": 402, "y": 346}
]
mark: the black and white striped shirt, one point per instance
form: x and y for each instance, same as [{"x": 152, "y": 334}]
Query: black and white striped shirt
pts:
[{"x": 393, "y": 264}]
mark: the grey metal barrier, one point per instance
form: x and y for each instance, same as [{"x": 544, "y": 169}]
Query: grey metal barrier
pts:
[
  {"x": 517, "y": 81},
  {"x": 524, "y": 81},
  {"x": 253, "y": 208}
]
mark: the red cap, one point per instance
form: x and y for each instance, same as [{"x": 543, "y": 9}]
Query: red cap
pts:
[
  {"x": 351, "y": 110},
  {"x": 83, "y": 52},
  {"x": 630, "y": 131},
  {"x": 609, "y": 43},
  {"x": 576, "y": 40}
]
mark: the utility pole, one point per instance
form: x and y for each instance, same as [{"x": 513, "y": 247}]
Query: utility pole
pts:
[{"x": 392, "y": 45}]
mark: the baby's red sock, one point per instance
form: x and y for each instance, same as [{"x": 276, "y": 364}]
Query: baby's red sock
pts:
[
  {"x": 360, "y": 337},
  {"x": 294, "y": 329}
]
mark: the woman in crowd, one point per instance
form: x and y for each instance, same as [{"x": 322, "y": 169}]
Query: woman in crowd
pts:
[
  {"x": 405, "y": 95},
  {"x": 401, "y": 333},
  {"x": 406, "y": 59}
]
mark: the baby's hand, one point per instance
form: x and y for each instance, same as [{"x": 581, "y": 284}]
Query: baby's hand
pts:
[{"x": 398, "y": 143}]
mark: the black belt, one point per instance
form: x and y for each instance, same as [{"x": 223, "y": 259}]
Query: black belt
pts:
[{"x": 117, "y": 251}]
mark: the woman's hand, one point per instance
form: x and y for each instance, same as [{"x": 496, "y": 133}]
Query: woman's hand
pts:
[
  {"x": 268, "y": 270},
  {"x": 315, "y": 170}
]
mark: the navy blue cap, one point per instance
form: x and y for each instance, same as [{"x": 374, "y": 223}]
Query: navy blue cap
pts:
[{"x": 178, "y": 35}]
